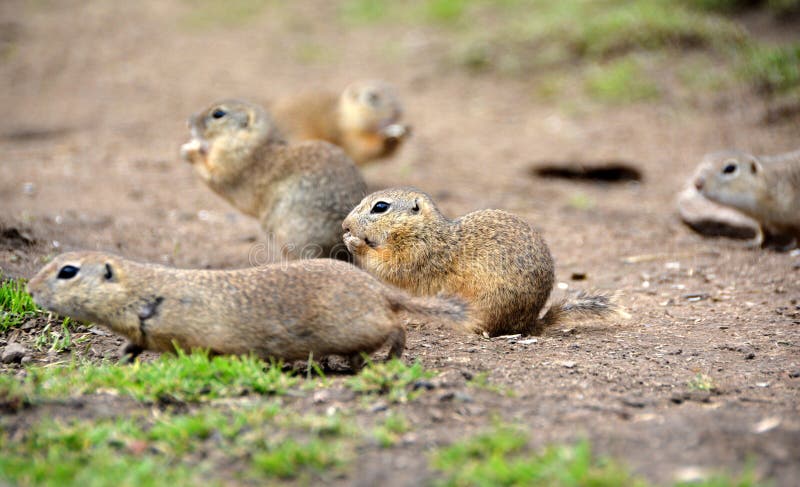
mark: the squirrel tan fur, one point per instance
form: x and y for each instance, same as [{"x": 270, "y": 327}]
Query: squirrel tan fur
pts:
[
  {"x": 765, "y": 188},
  {"x": 492, "y": 259},
  {"x": 300, "y": 193},
  {"x": 283, "y": 311},
  {"x": 365, "y": 119}
]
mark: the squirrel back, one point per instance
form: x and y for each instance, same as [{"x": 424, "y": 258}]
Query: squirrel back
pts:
[{"x": 494, "y": 260}]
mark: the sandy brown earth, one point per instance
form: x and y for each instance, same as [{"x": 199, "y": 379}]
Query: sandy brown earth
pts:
[{"x": 95, "y": 97}]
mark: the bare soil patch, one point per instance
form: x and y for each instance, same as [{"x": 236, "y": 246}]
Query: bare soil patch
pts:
[{"x": 89, "y": 143}]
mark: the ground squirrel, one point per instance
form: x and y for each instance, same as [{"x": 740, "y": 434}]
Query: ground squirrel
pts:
[
  {"x": 492, "y": 259},
  {"x": 300, "y": 193},
  {"x": 364, "y": 119},
  {"x": 765, "y": 188},
  {"x": 283, "y": 311}
]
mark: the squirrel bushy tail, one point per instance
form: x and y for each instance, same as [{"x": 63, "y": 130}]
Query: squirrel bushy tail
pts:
[
  {"x": 449, "y": 310},
  {"x": 582, "y": 305}
]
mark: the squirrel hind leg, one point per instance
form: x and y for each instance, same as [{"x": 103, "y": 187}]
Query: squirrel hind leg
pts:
[
  {"x": 778, "y": 241},
  {"x": 758, "y": 241},
  {"x": 356, "y": 361},
  {"x": 128, "y": 352},
  {"x": 397, "y": 343}
]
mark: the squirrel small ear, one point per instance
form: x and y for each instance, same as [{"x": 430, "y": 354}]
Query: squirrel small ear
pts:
[{"x": 755, "y": 167}]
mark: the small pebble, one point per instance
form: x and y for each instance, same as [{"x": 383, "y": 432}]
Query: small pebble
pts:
[
  {"x": 13, "y": 353},
  {"x": 423, "y": 384}
]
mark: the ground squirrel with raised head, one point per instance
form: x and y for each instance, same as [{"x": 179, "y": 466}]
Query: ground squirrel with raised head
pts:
[
  {"x": 365, "y": 119},
  {"x": 492, "y": 259},
  {"x": 765, "y": 188},
  {"x": 300, "y": 193},
  {"x": 282, "y": 311}
]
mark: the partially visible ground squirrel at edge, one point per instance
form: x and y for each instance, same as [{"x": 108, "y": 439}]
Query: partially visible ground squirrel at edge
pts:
[
  {"x": 299, "y": 192},
  {"x": 765, "y": 188},
  {"x": 364, "y": 119},
  {"x": 493, "y": 259},
  {"x": 282, "y": 311}
]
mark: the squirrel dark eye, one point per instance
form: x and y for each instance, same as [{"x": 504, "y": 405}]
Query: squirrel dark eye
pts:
[
  {"x": 373, "y": 98},
  {"x": 415, "y": 209},
  {"x": 379, "y": 207},
  {"x": 68, "y": 272},
  {"x": 729, "y": 169},
  {"x": 109, "y": 272},
  {"x": 218, "y": 113}
]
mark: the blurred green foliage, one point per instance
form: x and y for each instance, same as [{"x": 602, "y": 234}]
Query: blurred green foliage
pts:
[{"x": 601, "y": 40}]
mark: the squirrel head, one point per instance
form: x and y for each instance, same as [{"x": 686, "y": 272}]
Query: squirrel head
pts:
[
  {"x": 400, "y": 225},
  {"x": 732, "y": 178},
  {"x": 372, "y": 106},
  {"x": 86, "y": 286},
  {"x": 225, "y": 135}
]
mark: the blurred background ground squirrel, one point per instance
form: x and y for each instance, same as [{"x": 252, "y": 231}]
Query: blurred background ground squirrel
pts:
[
  {"x": 364, "y": 119},
  {"x": 282, "y": 311},
  {"x": 299, "y": 192},
  {"x": 765, "y": 188},
  {"x": 493, "y": 259}
]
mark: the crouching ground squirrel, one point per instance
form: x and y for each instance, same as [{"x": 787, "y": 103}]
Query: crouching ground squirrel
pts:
[
  {"x": 283, "y": 311},
  {"x": 300, "y": 193},
  {"x": 492, "y": 259},
  {"x": 765, "y": 188},
  {"x": 364, "y": 119}
]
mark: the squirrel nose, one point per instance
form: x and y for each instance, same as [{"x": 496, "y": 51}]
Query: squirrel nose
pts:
[{"x": 699, "y": 183}]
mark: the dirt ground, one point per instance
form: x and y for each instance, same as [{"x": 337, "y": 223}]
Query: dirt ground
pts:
[{"x": 96, "y": 97}]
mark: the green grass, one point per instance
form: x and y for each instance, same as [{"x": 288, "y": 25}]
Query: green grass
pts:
[
  {"x": 59, "y": 340},
  {"x": 389, "y": 433},
  {"x": 211, "y": 13},
  {"x": 443, "y": 12},
  {"x": 581, "y": 201},
  {"x": 140, "y": 448},
  {"x": 264, "y": 441},
  {"x": 772, "y": 69},
  {"x": 619, "y": 81},
  {"x": 289, "y": 458},
  {"x": 185, "y": 377},
  {"x": 654, "y": 25},
  {"x": 86, "y": 454},
  {"x": 225, "y": 437},
  {"x": 394, "y": 379},
  {"x": 198, "y": 377},
  {"x": 701, "y": 382},
  {"x": 501, "y": 457},
  {"x": 536, "y": 39},
  {"x": 481, "y": 381},
  {"x": 16, "y": 305}
]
